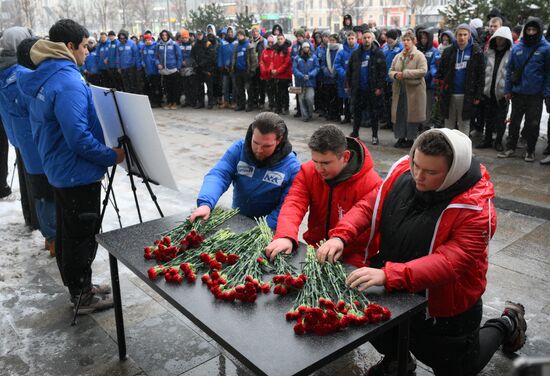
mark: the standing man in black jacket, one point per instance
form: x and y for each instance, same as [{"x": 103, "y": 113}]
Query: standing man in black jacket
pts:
[
  {"x": 365, "y": 77},
  {"x": 203, "y": 55},
  {"x": 461, "y": 75}
]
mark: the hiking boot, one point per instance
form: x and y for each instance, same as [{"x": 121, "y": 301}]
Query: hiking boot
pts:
[
  {"x": 399, "y": 144},
  {"x": 529, "y": 157},
  {"x": 388, "y": 367},
  {"x": 516, "y": 340},
  {"x": 506, "y": 153},
  {"x": 101, "y": 289},
  {"x": 91, "y": 303},
  {"x": 545, "y": 161}
]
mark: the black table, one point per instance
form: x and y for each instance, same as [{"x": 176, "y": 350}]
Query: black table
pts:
[{"x": 256, "y": 334}]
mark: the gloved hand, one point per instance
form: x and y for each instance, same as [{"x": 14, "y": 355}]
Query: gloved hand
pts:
[
  {"x": 306, "y": 77},
  {"x": 547, "y": 101}
]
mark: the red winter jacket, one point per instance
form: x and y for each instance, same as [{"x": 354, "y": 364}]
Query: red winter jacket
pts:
[
  {"x": 283, "y": 65},
  {"x": 310, "y": 190},
  {"x": 266, "y": 63},
  {"x": 454, "y": 271}
]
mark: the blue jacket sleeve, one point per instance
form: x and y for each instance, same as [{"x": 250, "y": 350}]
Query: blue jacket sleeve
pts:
[
  {"x": 433, "y": 63},
  {"x": 511, "y": 65},
  {"x": 179, "y": 56},
  {"x": 339, "y": 65},
  {"x": 157, "y": 56},
  {"x": 274, "y": 215},
  {"x": 71, "y": 110},
  {"x": 546, "y": 89},
  {"x": 296, "y": 68},
  {"x": 218, "y": 179},
  {"x": 137, "y": 58}
]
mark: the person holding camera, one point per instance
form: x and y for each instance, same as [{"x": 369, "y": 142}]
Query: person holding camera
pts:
[{"x": 527, "y": 84}]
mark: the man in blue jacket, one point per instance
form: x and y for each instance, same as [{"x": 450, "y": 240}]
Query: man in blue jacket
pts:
[
  {"x": 261, "y": 168},
  {"x": 15, "y": 112},
  {"x": 225, "y": 54},
  {"x": 527, "y": 85},
  {"x": 152, "y": 87},
  {"x": 128, "y": 59},
  {"x": 91, "y": 65},
  {"x": 187, "y": 71},
  {"x": 70, "y": 144},
  {"x": 341, "y": 64},
  {"x": 111, "y": 62},
  {"x": 102, "y": 51}
]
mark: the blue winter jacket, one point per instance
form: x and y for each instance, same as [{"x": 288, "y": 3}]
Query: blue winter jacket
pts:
[
  {"x": 103, "y": 50},
  {"x": 91, "y": 64},
  {"x": 127, "y": 55},
  {"x": 225, "y": 54},
  {"x": 302, "y": 66},
  {"x": 64, "y": 124},
  {"x": 432, "y": 58},
  {"x": 4, "y": 75},
  {"x": 321, "y": 53},
  {"x": 112, "y": 54},
  {"x": 185, "y": 49},
  {"x": 462, "y": 58},
  {"x": 16, "y": 113},
  {"x": 257, "y": 191},
  {"x": 168, "y": 54},
  {"x": 341, "y": 65},
  {"x": 536, "y": 74},
  {"x": 390, "y": 54},
  {"x": 241, "y": 48},
  {"x": 148, "y": 59}
]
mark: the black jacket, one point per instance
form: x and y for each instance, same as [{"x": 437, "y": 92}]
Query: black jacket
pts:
[
  {"x": 473, "y": 84},
  {"x": 203, "y": 54},
  {"x": 377, "y": 70}
]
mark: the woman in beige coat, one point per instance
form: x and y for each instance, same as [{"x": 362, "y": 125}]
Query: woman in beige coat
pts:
[{"x": 408, "y": 110}]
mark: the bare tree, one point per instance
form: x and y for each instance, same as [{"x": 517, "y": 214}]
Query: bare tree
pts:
[
  {"x": 180, "y": 8},
  {"x": 103, "y": 8},
  {"x": 283, "y": 6},
  {"x": 416, "y": 7},
  {"x": 145, "y": 12},
  {"x": 13, "y": 14},
  {"x": 27, "y": 9},
  {"x": 65, "y": 8},
  {"x": 128, "y": 9},
  {"x": 261, "y": 6},
  {"x": 350, "y": 7}
]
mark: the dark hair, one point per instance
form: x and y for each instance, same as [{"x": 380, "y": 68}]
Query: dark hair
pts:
[
  {"x": 66, "y": 31},
  {"x": 24, "y": 53},
  {"x": 328, "y": 138},
  {"x": 435, "y": 144},
  {"x": 269, "y": 122}
]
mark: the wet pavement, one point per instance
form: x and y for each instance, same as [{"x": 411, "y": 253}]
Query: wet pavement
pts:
[{"x": 35, "y": 333}]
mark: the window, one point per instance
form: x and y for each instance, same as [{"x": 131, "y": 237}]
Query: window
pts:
[
  {"x": 320, "y": 21},
  {"x": 310, "y": 22},
  {"x": 328, "y": 21},
  {"x": 370, "y": 3},
  {"x": 301, "y": 21}
]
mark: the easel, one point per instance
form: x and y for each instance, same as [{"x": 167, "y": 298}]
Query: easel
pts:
[{"x": 131, "y": 161}]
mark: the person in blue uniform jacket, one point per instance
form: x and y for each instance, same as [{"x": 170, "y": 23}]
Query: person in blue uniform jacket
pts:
[{"x": 261, "y": 167}]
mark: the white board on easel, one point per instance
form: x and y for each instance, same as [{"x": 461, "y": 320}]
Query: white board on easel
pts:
[{"x": 141, "y": 129}]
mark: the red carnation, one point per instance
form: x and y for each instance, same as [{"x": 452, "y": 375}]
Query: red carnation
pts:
[
  {"x": 289, "y": 280},
  {"x": 157, "y": 242},
  {"x": 299, "y": 328},
  {"x": 232, "y": 258},
  {"x": 191, "y": 277},
  {"x": 214, "y": 265},
  {"x": 220, "y": 256},
  {"x": 205, "y": 257},
  {"x": 166, "y": 240},
  {"x": 266, "y": 288},
  {"x": 298, "y": 283},
  {"x": 152, "y": 272},
  {"x": 214, "y": 275},
  {"x": 205, "y": 278}
]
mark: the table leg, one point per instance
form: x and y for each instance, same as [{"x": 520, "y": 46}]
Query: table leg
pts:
[
  {"x": 121, "y": 339},
  {"x": 403, "y": 347}
]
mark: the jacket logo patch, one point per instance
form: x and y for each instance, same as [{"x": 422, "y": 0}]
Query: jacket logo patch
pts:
[
  {"x": 274, "y": 177},
  {"x": 245, "y": 169}
]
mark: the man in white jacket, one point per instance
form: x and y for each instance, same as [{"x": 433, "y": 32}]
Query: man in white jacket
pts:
[{"x": 496, "y": 106}]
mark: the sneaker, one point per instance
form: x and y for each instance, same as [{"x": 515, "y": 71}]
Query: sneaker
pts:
[
  {"x": 375, "y": 140},
  {"x": 101, "y": 289},
  {"x": 516, "y": 340},
  {"x": 354, "y": 135},
  {"x": 399, "y": 143},
  {"x": 388, "y": 367},
  {"x": 506, "y": 153},
  {"x": 529, "y": 157},
  {"x": 498, "y": 146},
  {"x": 91, "y": 303},
  {"x": 547, "y": 150},
  {"x": 173, "y": 106},
  {"x": 545, "y": 161}
]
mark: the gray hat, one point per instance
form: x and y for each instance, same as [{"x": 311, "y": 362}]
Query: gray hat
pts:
[
  {"x": 9, "y": 42},
  {"x": 306, "y": 44}
]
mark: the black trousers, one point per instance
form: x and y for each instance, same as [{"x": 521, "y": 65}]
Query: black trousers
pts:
[
  {"x": 257, "y": 90},
  {"x": 366, "y": 101},
  {"x": 130, "y": 80},
  {"x": 27, "y": 202},
  {"x": 347, "y": 108},
  {"x": 171, "y": 87},
  {"x": 495, "y": 118},
  {"x": 281, "y": 94},
  {"x": 77, "y": 211},
  {"x": 153, "y": 89},
  {"x": 332, "y": 103},
  {"x": 114, "y": 79},
  {"x": 388, "y": 93},
  {"x": 270, "y": 92},
  {"x": 529, "y": 106},
  {"x": 4, "y": 151},
  {"x": 242, "y": 84},
  {"x": 205, "y": 79},
  {"x": 188, "y": 85},
  {"x": 453, "y": 346},
  {"x": 94, "y": 79}
]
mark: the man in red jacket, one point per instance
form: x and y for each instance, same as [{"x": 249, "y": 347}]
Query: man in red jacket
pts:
[
  {"x": 340, "y": 173},
  {"x": 431, "y": 223}
]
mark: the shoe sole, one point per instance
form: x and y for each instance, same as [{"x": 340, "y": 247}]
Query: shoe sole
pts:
[{"x": 519, "y": 341}]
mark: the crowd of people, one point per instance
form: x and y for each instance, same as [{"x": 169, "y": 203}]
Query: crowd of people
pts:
[
  {"x": 405, "y": 81},
  {"x": 425, "y": 228}
]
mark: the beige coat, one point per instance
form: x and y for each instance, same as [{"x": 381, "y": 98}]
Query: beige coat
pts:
[{"x": 415, "y": 86}]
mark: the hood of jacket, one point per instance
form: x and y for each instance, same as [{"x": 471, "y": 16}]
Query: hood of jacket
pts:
[
  {"x": 532, "y": 40},
  {"x": 429, "y": 46},
  {"x": 213, "y": 28},
  {"x": 277, "y": 26},
  {"x": 503, "y": 32},
  {"x": 347, "y": 17},
  {"x": 448, "y": 33},
  {"x": 31, "y": 83},
  {"x": 8, "y": 44},
  {"x": 44, "y": 49},
  {"x": 461, "y": 146},
  {"x": 355, "y": 164},
  {"x": 123, "y": 32},
  {"x": 169, "y": 36},
  {"x": 281, "y": 151}
]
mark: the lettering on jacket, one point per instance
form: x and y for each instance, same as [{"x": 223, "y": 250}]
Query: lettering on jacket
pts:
[
  {"x": 274, "y": 177},
  {"x": 245, "y": 169}
]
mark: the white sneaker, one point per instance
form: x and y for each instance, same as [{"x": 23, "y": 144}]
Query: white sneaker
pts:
[
  {"x": 545, "y": 161},
  {"x": 506, "y": 153},
  {"x": 529, "y": 157}
]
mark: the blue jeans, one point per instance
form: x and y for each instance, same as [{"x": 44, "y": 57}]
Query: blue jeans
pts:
[
  {"x": 306, "y": 102},
  {"x": 45, "y": 211},
  {"x": 228, "y": 92}
]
